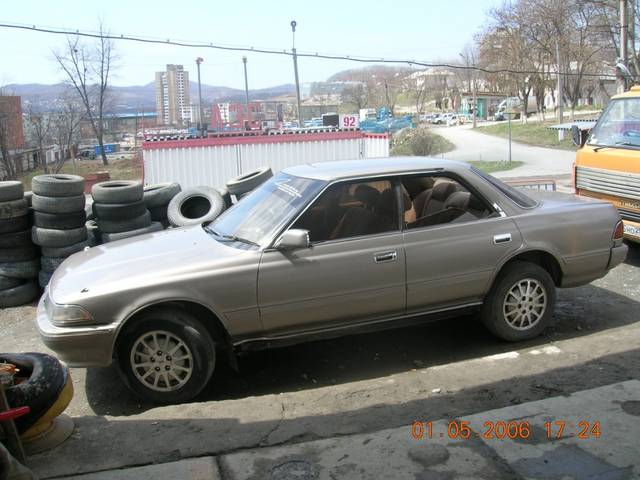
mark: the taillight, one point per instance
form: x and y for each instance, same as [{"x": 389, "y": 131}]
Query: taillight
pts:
[{"x": 618, "y": 233}]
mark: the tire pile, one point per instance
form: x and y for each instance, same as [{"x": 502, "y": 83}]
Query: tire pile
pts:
[
  {"x": 157, "y": 198},
  {"x": 120, "y": 210},
  {"x": 243, "y": 185},
  {"x": 18, "y": 256},
  {"x": 58, "y": 220}
]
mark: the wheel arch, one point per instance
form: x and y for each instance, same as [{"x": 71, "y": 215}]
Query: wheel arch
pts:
[{"x": 543, "y": 258}]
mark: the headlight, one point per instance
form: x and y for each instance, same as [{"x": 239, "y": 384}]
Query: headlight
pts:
[{"x": 63, "y": 315}]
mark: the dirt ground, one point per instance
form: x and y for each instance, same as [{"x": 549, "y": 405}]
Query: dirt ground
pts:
[{"x": 353, "y": 384}]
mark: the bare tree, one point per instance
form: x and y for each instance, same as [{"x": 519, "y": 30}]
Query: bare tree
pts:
[
  {"x": 40, "y": 134},
  {"x": 66, "y": 130},
  {"x": 355, "y": 94},
  {"x": 88, "y": 68}
]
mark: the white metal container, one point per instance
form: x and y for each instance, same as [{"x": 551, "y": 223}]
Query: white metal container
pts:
[{"x": 213, "y": 161}]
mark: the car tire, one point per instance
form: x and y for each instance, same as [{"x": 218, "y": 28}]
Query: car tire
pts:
[
  {"x": 49, "y": 237},
  {"x": 24, "y": 270},
  {"x": 13, "y": 209},
  {"x": 94, "y": 236},
  {"x": 44, "y": 278},
  {"x": 190, "y": 375},
  {"x": 158, "y": 214},
  {"x": 59, "y": 221},
  {"x": 58, "y": 204},
  {"x": 13, "y": 225},
  {"x": 66, "y": 250},
  {"x": 11, "y": 190},
  {"x": 117, "y": 191},
  {"x": 160, "y": 194},
  {"x": 58, "y": 185},
  {"x": 195, "y": 206},
  {"x": 22, "y": 294},
  {"x": 50, "y": 264},
  {"x": 514, "y": 315},
  {"x": 112, "y": 237},
  {"x": 226, "y": 196},
  {"x": 248, "y": 181},
  {"x": 18, "y": 254},
  {"x": 9, "y": 282},
  {"x": 15, "y": 239},
  {"x": 125, "y": 225},
  {"x": 118, "y": 211}
]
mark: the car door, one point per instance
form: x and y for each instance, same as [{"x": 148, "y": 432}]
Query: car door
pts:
[
  {"x": 452, "y": 256},
  {"x": 353, "y": 271}
]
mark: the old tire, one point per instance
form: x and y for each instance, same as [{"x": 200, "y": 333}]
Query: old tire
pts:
[
  {"x": 248, "y": 181},
  {"x": 58, "y": 204},
  {"x": 46, "y": 380},
  {"x": 112, "y": 226},
  {"x": 58, "y": 185},
  {"x": 160, "y": 194},
  {"x": 521, "y": 302},
  {"x": 24, "y": 270},
  {"x": 158, "y": 214},
  {"x": 59, "y": 221},
  {"x": 66, "y": 250},
  {"x": 9, "y": 282},
  {"x": 18, "y": 254},
  {"x": 13, "y": 225},
  {"x": 226, "y": 196},
  {"x": 177, "y": 380},
  {"x": 22, "y": 294},
  {"x": 44, "y": 278},
  {"x": 49, "y": 237},
  {"x": 11, "y": 190},
  {"x": 94, "y": 236},
  {"x": 118, "y": 211},
  {"x": 15, "y": 239},
  {"x": 112, "y": 237},
  {"x": 117, "y": 191},
  {"x": 50, "y": 264},
  {"x": 195, "y": 206},
  {"x": 13, "y": 209}
]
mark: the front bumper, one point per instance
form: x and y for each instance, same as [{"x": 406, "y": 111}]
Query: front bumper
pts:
[{"x": 80, "y": 346}]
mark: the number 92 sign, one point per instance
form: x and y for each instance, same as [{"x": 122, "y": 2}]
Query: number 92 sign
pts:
[{"x": 349, "y": 121}]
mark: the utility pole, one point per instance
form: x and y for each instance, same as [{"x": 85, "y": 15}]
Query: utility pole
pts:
[
  {"x": 560, "y": 92},
  {"x": 246, "y": 93},
  {"x": 624, "y": 25},
  {"x": 199, "y": 60},
  {"x": 295, "y": 69}
]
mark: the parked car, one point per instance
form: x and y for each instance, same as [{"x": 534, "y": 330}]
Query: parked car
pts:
[{"x": 324, "y": 250}]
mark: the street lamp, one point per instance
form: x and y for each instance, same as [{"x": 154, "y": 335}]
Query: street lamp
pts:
[
  {"x": 246, "y": 93},
  {"x": 295, "y": 70},
  {"x": 199, "y": 60}
]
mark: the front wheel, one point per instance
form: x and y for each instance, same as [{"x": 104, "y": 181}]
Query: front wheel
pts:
[
  {"x": 166, "y": 356},
  {"x": 521, "y": 302}
]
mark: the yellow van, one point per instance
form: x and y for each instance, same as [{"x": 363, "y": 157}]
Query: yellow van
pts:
[{"x": 608, "y": 163}]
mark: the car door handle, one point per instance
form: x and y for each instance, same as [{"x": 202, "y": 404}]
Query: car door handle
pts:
[
  {"x": 503, "y": 238},
  {"x": 385, "y": 257}
]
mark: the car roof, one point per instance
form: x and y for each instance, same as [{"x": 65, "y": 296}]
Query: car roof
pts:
[{"x": 369, "y": 167}]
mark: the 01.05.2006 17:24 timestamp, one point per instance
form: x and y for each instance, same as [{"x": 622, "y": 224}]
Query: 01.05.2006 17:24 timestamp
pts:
[{"x": 513, "y": 429}]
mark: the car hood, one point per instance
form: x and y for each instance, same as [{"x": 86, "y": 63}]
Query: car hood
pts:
[{"x": 139, "y": 261}]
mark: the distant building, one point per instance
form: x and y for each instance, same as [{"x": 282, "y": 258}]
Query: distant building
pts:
[
  {"x": 11, "y": 121},
  {"x": 172, "y": 96}
]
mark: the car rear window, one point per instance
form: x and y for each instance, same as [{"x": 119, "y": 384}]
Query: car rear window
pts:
[{"x": 517, "y": 196}]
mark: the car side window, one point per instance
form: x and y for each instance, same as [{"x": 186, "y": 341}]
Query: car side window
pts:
[
  {"x": 435, "y": 200},
  {"x": 351, "y": 209}
]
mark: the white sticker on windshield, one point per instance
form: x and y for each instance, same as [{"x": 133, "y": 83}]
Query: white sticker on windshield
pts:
[{"x": 288, "y": 189}]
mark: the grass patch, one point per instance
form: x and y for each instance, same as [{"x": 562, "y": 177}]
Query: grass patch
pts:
[
  {"x": 533, "y": 133},
  {"x": 492, "y": 167},
  {"x": 419, "y": 141},
  {"x": 123, "y": 169}
]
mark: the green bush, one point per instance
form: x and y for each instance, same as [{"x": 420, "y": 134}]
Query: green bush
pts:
[{"x": 420, "y": 142}]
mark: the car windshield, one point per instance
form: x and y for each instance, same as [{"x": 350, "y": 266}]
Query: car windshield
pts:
[
  {"x": 619, "y": 125},
  {"x": 262, "y": 213}
]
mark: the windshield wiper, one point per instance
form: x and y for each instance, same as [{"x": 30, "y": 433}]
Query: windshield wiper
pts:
[{"x": 233, "y": 238}]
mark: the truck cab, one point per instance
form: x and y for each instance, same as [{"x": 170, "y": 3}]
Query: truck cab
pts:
[{"x": 607, "y": 166}]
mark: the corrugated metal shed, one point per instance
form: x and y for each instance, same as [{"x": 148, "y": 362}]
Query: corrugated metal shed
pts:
[{"x": 212, "y": 161}]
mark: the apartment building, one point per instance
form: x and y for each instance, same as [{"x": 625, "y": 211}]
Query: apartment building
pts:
[{"x": 172, "y": 96}]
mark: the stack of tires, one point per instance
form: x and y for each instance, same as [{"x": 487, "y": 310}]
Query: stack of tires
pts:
[
  {"x": 58, "y": 220},
  {"x": 157, "y": 198},
  {"x": 245, "y": 183},
  {"x": 18, "y": 256},
  {"x": 120, "y": 210}
]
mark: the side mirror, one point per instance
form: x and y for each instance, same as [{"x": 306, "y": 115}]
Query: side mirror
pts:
[
  {"x": 294, "y": 239},
  {"x": 578, "y": 137}
]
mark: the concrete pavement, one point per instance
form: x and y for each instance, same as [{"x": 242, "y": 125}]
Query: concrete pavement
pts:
[
  {"x": 589, "y": 434},
  {"x": 471, "y": 145}
]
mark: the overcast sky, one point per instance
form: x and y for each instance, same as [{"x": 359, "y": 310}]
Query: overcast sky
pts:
[{"x": 414, "y": 29}]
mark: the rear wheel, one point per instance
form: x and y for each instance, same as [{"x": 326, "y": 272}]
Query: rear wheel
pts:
[
  {"x": 166, "y": 356},
  {"x": 521, "y": 302}
]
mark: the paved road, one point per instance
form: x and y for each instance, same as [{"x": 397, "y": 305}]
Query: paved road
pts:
[
  {"x": 472, "y": 145},
  {"x": 356, "y": 384}
]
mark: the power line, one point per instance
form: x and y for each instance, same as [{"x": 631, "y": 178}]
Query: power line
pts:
[{"x": 325, "y": 56}]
